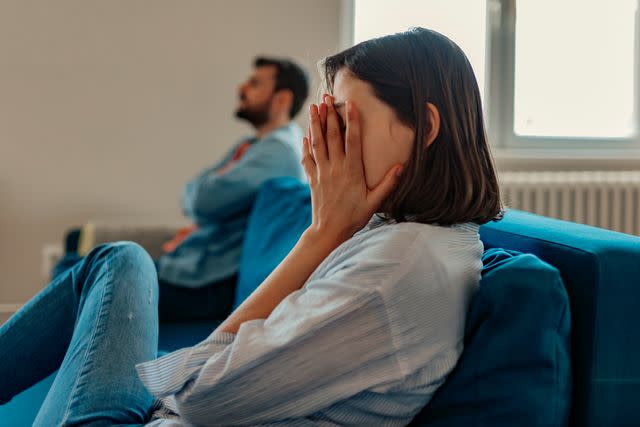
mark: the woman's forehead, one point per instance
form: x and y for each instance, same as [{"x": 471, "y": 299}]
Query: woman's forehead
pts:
[{"x": 348, "y": 87}]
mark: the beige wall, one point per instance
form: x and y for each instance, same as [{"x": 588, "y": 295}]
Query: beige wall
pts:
[{"x": 107, "y": 107}]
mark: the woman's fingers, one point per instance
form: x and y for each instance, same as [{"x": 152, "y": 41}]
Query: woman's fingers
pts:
[
  {"x": 323, "y": 114},
  {"x": 308, "y": 164},
  {"x": 335, "y": 144},
  {"x": 379, "y": 194},
  {"x": 318, "y": 145},
  {"x": 309, "y": 141},
  {"x": 353, "y": 143}
]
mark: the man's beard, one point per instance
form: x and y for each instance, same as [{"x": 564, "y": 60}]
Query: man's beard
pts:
[{"x": 257, "y": 116}]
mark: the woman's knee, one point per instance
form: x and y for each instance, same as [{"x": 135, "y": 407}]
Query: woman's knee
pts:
[
  {"x": 124, "y": 251},
  {"x": 127, "y": 262},
  {"x": 131, "y": 252}
]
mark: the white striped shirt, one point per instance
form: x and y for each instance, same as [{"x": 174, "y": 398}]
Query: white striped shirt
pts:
[{"x": 367, "y": 340}]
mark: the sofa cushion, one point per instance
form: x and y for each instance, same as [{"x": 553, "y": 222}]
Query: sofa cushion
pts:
[
  {"x": 176, "y": 335},
  {"x": 515, "y": 368},
  {"x": 601, "y": 273},
  {"x": 281, "y": 213}
]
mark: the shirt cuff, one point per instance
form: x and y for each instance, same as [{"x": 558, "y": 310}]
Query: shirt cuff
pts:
[
  {"x": 219, "y": 337},
  {"x": 168, "y": 374}
]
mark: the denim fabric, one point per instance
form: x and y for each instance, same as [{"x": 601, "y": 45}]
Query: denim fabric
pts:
[
  {"x": 177, "y": 303},
  {"x": 94, "y": 322},
  {"x": 66, "y": 262}
]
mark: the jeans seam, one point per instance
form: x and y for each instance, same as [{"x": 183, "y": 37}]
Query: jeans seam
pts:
[{"x": 104, "y": 301}]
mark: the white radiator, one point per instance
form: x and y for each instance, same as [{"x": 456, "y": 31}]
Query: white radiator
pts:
[{"x": 603, "y": 199}]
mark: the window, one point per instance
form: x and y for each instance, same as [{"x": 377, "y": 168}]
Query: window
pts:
[
  {"x": 556, "y": 74},
  {"x": 374, "y": 18},
  {"x": 574, "y": 68}
]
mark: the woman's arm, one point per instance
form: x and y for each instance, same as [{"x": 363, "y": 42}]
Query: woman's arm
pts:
[
  {"x": 341, "y": 205},
  {"x": 321, "y": 344},
  {"x": 291, "y": 274},
  {"x": 286, "y": 351}
]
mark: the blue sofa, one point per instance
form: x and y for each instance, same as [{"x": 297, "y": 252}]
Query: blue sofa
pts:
[
  {"x": 601, "y": 273},
  {"x": 595, "y": 374}
]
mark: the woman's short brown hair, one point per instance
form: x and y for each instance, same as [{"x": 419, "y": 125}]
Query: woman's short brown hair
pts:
[{"x": 452, "y": 180}]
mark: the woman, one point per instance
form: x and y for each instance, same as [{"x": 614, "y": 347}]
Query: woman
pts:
[{"x": 359, "y": 324}]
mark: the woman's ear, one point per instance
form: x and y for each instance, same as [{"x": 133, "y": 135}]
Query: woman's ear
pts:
[{"x": 433, "y": 118}]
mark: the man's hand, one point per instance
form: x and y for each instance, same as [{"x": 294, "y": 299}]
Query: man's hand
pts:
[{"x": 180, "y": 236}]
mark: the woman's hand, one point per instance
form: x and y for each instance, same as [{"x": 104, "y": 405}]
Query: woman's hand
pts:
[
  {"x": 341, "y": 202},
  {"x": 341, "y": 205}
]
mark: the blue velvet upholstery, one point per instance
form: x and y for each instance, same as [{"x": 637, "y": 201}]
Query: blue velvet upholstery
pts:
[
  {"x": 282, "y": 211},
  {"x": 23, "y": 408},
  {"x": 601, "y": 272}
]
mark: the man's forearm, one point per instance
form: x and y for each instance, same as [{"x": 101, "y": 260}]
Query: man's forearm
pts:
[{"x": 289, "y": 276}]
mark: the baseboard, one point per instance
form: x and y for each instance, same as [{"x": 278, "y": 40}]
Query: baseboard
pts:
[{"x": 10, "y": 308}]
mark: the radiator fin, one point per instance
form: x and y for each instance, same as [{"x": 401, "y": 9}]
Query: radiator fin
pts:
[{"x": 603, "y": 199}]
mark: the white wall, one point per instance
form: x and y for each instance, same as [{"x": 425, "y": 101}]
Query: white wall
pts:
[{"x": 108, "y": 107}]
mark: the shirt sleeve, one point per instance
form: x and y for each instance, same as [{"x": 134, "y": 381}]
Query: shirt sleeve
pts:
[
  {"x": 219, "y": 196},
  {"x": 322, "y": 344},
  {"x": 191, "y": 185}
]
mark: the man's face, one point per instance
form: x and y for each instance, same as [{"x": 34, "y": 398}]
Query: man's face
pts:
[{"x": 255, "y": 95}]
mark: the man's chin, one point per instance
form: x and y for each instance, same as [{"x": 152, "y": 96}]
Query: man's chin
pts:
[{"x": 255, "y": 120}]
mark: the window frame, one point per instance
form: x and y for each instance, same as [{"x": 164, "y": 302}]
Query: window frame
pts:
[{"x": 500, "y": 93}]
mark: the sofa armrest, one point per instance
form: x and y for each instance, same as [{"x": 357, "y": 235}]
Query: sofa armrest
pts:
[
  {"x": 150, "y": 237},
  {"x": 601, "y": 272}
]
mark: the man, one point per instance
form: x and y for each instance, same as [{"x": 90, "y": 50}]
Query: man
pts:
[{"x": 197, "y": 274}]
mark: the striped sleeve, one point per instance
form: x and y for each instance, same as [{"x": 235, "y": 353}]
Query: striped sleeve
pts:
[{"x": 322, "y": 344}]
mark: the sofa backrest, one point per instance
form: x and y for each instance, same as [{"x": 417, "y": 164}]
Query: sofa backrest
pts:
[
  {"x": 281, "y": 213},
  {"x": 601, "y": 272}
]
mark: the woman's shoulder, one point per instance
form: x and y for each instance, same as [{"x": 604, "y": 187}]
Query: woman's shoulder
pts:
[
  {"x": 388, "y": 250},
  {"x": 392, "y": 241},
  {"x": 400, "y": 241}
]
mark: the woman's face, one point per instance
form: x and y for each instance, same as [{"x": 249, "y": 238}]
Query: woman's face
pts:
[{"x": 386, "y": 141}]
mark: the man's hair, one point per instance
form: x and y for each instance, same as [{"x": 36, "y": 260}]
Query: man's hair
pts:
[
  {"x": 453, "y": 180},
  {"x": 289, "y": 76}
]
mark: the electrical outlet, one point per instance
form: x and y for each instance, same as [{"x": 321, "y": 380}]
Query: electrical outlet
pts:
[{"x": 51, "y": 254}]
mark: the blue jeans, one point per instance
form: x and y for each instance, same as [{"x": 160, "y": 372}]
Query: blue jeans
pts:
[
  {"x": 94, "y": 323},
  {"x": 177, "y": 303}
]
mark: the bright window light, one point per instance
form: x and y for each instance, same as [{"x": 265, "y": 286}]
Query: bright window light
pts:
[
  {"x": 463, "y": 21},
  {"x": 574, "y": 68}
]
